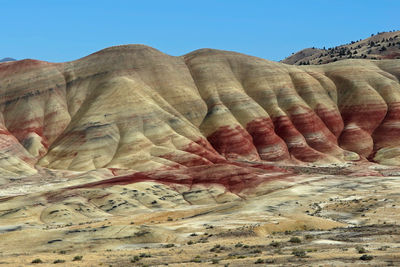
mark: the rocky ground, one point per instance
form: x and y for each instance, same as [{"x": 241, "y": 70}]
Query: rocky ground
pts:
[{"x": 327, "y": 215}]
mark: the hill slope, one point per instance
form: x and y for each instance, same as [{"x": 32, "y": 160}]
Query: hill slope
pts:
[
  {"x": 133, "y": 107},
  {"x": 385, "y": 45}
]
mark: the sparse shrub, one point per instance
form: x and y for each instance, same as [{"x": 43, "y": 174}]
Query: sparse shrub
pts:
[
  {"x": 58, "y": 261},
  {"x": 169, "y": 245},
  {"x": 275, "y": 244},
  {"x": 135, "y": 259},
  {"x": 141, "y": 233},
  {"x": 196, "y": 259},
  {"x": 170, "y": 219},
  {"x": 259, "y": 261},
  {"x": 144, "y": 255},
  {"x": 37, "y": 261},
  {"x": 215, "y": 261},
  {"x": 361, "y": 250},
  {"x": 216, "y": 248},
  {"x": 366, "y": 257},
  {"x": 190, "y": 242},
  {"x": 308, "y": 237},
  {"x": 77, "y": 258},
  {"x": 203, "y": 240},
  {"x": 295, "y": 239},
  {"x": 238, "y": 245},
  {"x": 299, "y": 252}
]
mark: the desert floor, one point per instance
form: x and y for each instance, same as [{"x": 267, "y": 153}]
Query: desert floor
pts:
[{"x": 319, "y": 216}]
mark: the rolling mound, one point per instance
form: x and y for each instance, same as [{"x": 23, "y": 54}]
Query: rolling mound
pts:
[{"x": 133, "y": 107}]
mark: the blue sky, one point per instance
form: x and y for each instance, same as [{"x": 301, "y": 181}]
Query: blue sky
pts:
[{"x": 64, "y": 30}]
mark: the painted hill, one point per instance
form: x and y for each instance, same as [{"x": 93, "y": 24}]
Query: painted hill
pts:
[
  {"x": 133, "y": 107},
  {"x": 384, "y": 45}
]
